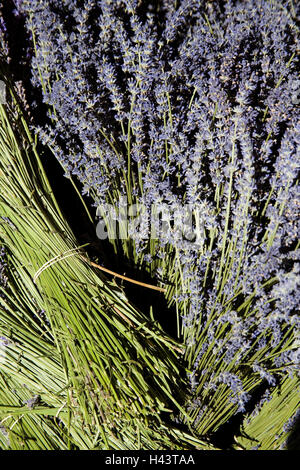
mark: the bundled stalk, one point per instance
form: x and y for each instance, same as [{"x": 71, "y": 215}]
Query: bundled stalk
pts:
[
  {"x": 98, "y": 364},
  {"x": 272, "y": 425}
]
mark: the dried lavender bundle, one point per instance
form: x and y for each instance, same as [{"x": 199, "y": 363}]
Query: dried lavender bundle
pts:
[
  {"x": 191, "y": 103},
  {"x": 46, "y": 309}
]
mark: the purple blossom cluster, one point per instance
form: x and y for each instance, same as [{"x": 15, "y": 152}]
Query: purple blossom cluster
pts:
[
  {"x": 194, "y": 102},
  {"x": 291, "y": 421}
]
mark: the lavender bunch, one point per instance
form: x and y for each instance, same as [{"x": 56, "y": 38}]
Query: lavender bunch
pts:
[
  {"x": 191, "y": 103},
  {"x": 41, "y": 321}
]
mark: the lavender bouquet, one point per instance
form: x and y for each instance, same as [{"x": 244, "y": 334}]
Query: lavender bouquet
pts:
[{"x": 179, "y": 121}]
